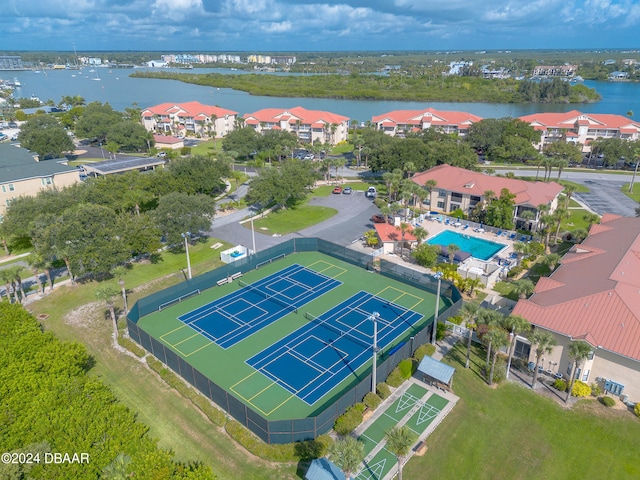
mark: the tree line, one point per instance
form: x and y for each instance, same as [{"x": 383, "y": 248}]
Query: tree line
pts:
[
  {"x": 106, "y": 221},
  {"x": 50, "y": 403}
]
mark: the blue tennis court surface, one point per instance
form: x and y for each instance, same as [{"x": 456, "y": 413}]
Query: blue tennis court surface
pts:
[
  {"x": 234, "y": 317},
  {"x": 318, "y": 356}
]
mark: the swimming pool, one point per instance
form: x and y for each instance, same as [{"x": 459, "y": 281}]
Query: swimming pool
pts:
[{"x": 477, "y": 247}]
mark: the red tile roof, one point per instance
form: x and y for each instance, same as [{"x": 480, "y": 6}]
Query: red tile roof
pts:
[
  {"x": 307, "y": 117},
  {"x": 188, "y": 109},
  {"x": 167, "y": 139},
  {"x": 595, "y": 293},
  {"x": 456, "y": 179},
  {"x": 570, "y": 119},
  {"x": 429, "y": 116},
  {"x": 389, "y": 233}
]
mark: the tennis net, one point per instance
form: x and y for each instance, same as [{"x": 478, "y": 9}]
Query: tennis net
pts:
[
  {"x": 343, "y": 333},
  {"x": 271, "y": 298}
]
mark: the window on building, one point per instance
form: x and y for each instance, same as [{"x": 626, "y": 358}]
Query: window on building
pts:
[
  {"x": 585, "y": 375},
  {"x": 47, "y": 181},
  {"x": 613, "y": 387},
  {"x": 441, "y": 205},
  {"x": 4, "y": 189},
  {"x": 11, "y": 189},
  {"x": 442, "y": 193}
]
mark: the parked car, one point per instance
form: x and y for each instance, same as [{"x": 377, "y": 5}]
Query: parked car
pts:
[
  {"x": 337, "y": 190},
  {"x": 347, "y": 191},
  {"x": 371, "y": 192},
  {"x": 377, "y": 218},
  {"x": 161, "y": 154}
]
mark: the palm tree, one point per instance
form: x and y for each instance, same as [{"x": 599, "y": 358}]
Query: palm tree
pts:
[
  {"x": 16, "y": 273},
  {"x": 592, "y": 218},
  {"x": 429, "y": 185},
  {"x": 561, "y": 164},
  {"x": 498, "y": 338},
  {"x": 420, "y": 233},
  {"x": 469, "y": 313},
  {"x": 551, "y": 260},
  {"x": 544, "y": 342},
  {"x": 569, "y": 190},
  {"x": 347, "y": 453},
  {"x": 579, "y": 350},
  {"x": 452, "y": 249},
  {"x": 36, "y": 261},
  {"x": 523, "y": 287},
  {"x": 559, "y": 215},
  {"x": 403, "y": 228},
  {"x": 472, "y": 284},
  {"x": 399, "y": 442},
  {"x": 489, "y": 318},
  {"x": 371, "y": 238},
  {"x": 516, "y": 325},
  {"x": 5, "y": 276},
  {"x": 107, "y": 293}
]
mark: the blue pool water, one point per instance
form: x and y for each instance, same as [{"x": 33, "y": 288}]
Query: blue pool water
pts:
[{"x": 477, "y": 247}]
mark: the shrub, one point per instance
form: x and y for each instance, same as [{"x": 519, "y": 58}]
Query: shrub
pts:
[
  {"x": 395, "y": 378},
  {"x": 424, "y": 350},
  {"x": 275, "y": 453},
  {"x": 440, "y": 331},
  {"x": 580, "y": 389},
  {"x": 607, "y": 401},
  {"x": 132, "y": 346},
  {"x": 371, "y": 400},
  {"x": 383, "y": 390},
  {"x": 560, "y": 384},
  {"x": 525, "y": 263},
  {"x": 406, "y": 368},
  {"x": 500, "y": 370},
  {"x": 636, "y": 409},
  {"x": 515, "y": 271},
  {"x": 349, "y": 420},
  {"x": 596, "y": 390},
  {"x": 457, "y": 319}
]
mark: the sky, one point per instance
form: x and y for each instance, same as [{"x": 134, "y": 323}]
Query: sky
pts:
[{"x": 316, "y": 25}]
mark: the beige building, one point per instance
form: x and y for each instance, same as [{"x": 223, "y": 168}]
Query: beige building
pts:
[
  {"x": 190, "y": 118},
  {"x": 310, "y": 126},
  {"x": 595, "y": 296},
  {"x": 22, "y": 175},
  {"x": 457, "y": 188}
]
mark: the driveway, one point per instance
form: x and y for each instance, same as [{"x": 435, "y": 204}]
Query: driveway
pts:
[
  {"x": 604, "y": 194},
  {"x": 347, "y": 226}
]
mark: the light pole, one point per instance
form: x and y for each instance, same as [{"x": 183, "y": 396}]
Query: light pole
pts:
[
  {"x": 374, "y": 318},
  {"x": 124, "y": 295},
  {"x": 437, "y": 276},
  {"x": 186, "y": 247},
  {"x": 253, "y": 234}
]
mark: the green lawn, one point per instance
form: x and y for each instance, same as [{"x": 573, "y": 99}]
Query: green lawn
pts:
[
  {"x": 289, "y": 220},
  {"x": 207, "y": 147},
  {"x": 510, "y": 432},
  {"x": 635, "y": 194}
]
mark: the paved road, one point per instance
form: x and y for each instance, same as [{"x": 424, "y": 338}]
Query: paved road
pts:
[
  {"x": 352, "y": 220},
  {"x": 604, "y": 194}
]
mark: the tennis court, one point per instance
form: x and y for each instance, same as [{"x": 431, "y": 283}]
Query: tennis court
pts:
[
  {"x": 318, "y": 356},
  {"x": 234, "y": 317}
]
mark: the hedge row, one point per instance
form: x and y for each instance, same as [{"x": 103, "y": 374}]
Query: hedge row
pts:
[
  {"x": 371, "y": 400},
  {"x": 274, "y": 453},
  {"x": 382, "y": 389},
  {"x": 214, "y": 414},
  {"x": 132, "y": 346},
  {"x": 424, "y": 350},
  {"x": 349, "y": 420}
]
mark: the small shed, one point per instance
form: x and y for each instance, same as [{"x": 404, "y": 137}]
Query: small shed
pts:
[
  {"x": 234, "y": 254},
  {"x": 435, "y": 373},
  {"x": 390, "y": 237},
  {"x": 165, "y": 141},
  {"x": 323, "y": 469}
]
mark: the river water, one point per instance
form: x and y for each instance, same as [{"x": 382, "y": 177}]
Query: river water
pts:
[{"x": 121, "y": 91}]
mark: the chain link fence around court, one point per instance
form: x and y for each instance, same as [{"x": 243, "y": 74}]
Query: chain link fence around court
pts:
[{"x": 298, "y": 429}]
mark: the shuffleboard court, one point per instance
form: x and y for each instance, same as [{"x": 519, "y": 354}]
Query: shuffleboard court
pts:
[
  {"x": 318, "y": 356},
  {"x": 234, "y": 317}
]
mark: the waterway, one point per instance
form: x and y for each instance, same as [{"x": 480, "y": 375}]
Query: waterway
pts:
[{"x": 116, "y": 87}]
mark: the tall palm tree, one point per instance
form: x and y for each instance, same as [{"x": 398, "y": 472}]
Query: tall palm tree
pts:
[
  {"x": 516, "y": 325},
  {"x": 489, "y": 318},
  {"x": 579, "y": 350},
  {"x": 559, "y": 215},
  {"x": 523, "y": 287},
  {"x": 420, "y": 233},
  {"x": 569, "y": 190},
  {"x": 347, "y": 453},
  {"x": 119, "y": 272},
  {"x": 5, "y": 276},
  {"x": 498, "y": 338},
  {"x": 399, "y": 442},
  {"x": 36, "y": 261},
  {"x": 551, "y": 260},
  {"x": 107, "y": 294},
  {"x": 429, "y": 186},
  {"x": 16, "y": 274},
  {"x": 403, "y": 228},
  {"x": 469, "y": 312},
  {"x": 544, "y": 342}
]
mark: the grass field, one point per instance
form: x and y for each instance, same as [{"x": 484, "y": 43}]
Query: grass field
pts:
[
  {"x": 267, "y": 397},
  {"x": 511, "y": 432},
  {"x": 634, "y": 194},
  {"x": 289, "y": 220}
]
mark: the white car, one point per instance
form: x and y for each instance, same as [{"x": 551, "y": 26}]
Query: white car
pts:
[{"x": 371, "y": 192}]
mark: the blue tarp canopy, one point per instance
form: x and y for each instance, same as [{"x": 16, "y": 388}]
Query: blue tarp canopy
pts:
[
  {"x": 323, "y": 469},
  {"x": 436, "y": 370}
]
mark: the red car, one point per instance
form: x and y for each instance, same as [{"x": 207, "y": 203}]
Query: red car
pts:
[
  {"x": 337, "y": 190},
  {"x": 378, "y": 219}
]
